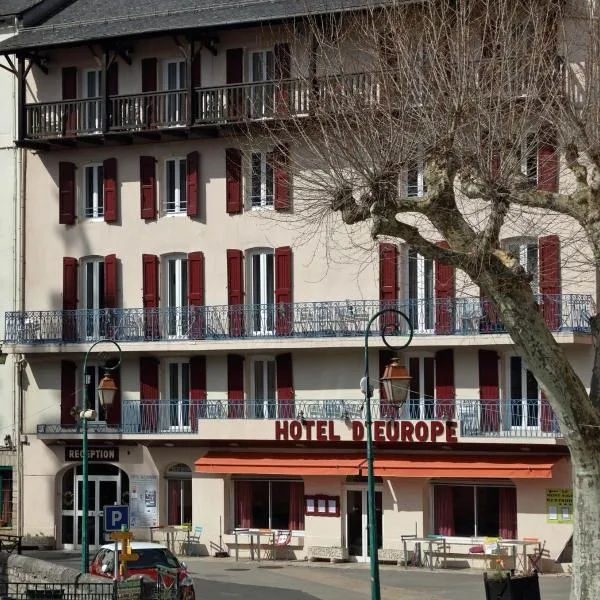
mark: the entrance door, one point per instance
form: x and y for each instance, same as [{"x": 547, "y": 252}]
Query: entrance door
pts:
[
  {"x": 357, "y": 532},
  {"x": 102, "y": 490}
]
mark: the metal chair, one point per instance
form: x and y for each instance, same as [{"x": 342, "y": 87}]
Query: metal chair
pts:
[
  {"x": 281, "y": 538},
  {"x": 192, "y": 544},
  {"x": 536, "y": 558}
]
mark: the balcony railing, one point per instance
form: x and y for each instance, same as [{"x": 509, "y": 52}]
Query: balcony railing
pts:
[
  {"x": 212, "y": 106},
  {"x": 459, "y": 316},
  {"x": 476, "y": 418}
]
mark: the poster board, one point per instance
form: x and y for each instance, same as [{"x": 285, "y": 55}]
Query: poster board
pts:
[
  {"x": 559, "y": 505},
  {"x": 143, "y": 495}
]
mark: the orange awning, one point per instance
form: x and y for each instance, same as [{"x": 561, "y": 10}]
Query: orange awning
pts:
[
  {"x": 260, "y": 463},
  {"x": 491, "y": 467},
  {"x": 426, "y": 466}
]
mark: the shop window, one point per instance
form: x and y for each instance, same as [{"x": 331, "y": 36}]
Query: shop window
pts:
[
  {"x": 475, "y": 511},
  {"x": 179, "y": 494},
  {"x": 265, "y": 504}
]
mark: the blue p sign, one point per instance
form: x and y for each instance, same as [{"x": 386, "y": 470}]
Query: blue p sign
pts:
[{"x": 116, "y": 518}]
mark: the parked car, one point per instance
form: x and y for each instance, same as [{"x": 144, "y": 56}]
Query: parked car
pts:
[{"x": 150, "y": 557}]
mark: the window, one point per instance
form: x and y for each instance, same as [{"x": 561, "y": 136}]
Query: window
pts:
[
  {"x": 92, "y": 93},
  {"x": 269, "y": 504},
  {"x": 415, "y": 180},
  {"x": 93, "y": 297},
  {"x": 264, "y": 387},
  {"x": 525, "y": 250},
  {"x": 261, "y": 180},
  {"x": 529, "y": 159},
  {"x": 93, "y": 186},
  {"x": 420, "y": 291},
  {"x": 177, "y": 295},
  {"x": 524, "y": 395},
  {"x": 179, "y": 396},
  {"x": 175, "y": 81},
  {"x": 465, "y": 510},
  {"x": 6, "y": 497},
  {"x": 179, "y": 494},
  {"x": 93, "y": 375},
  {"x": 262, "y": 292},
  {"x": 261, "y": 68},
  {"x": 421, "y": 403},
  {"x": 175, "y": 186}
]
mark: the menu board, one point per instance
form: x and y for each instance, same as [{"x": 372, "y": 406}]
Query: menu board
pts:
[
  {"x": 142, "y": 500},
  {"x": 559, "y": 505}
]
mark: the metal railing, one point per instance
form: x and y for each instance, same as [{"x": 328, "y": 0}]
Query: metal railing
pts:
[
  {"x": 458, "y": 316},
  {"x": 110, "y": 590},
  {"x": 477, "y": 418}
]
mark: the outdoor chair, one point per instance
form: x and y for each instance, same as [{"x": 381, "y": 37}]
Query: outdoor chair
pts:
[
  {"x": 536, "y": 558},
  {"x": 281, "y": 538},
  {"x": 192, "y": 544}
]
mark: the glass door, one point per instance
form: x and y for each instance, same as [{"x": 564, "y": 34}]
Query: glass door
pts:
[
  {"x": 357, "y": 530},
  {"x": 102, "y": 491}
]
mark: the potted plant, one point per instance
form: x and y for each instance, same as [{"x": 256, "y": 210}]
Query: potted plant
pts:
[{"x": 503, "y": 585}]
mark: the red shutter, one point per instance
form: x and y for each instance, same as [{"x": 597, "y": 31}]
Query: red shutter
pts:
[
  {"x": 66, "y": 193},
  {"x": 549, "y": 279},
  {"x": 283, "y": 290},
  {"x": 444, "y": 296},
  {"x": 148, "y": 187},
  {"x": 489, "y": 392},
  {"x": 148, "y": 394},
  {"x": 233, "y": 170},
  {"x": 495, "y": 166},
  {"x": 150, "y": 295},
  {"x": 193, "y": 183},
  {"x": 546, "y": 415},
  {"x": 234, "y": 59},
  {"x": 112, "y": 78},
  {"x": 235, "y": 386},
  {"x": 69, "y": 92},
  {"x": 388, "y": 282},
  {"x": 110, "y": 281},
  {"x": 387, "y": 409},
  {"x": 445, "y": 392},
  {"x": 68, "y": 372},
  {"x": 149, "y": 75},
  {"x": 285, "y": 386},
  {"x": 113, "y": 412},
  {"x": 197, "y": 389},
  {"x": 281, "y": 175},
  {"x": 109, "y": 169},
  {"x": 282, "y": 74},
  {"x": 235, "y": 291},
  {"x": 69, "y": 299},
  {"x": 547, "y": 179},
  {"x": 196, "y": 293}
]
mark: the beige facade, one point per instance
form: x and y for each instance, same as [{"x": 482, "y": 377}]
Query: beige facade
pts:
[{"x": 198, "y": 380}]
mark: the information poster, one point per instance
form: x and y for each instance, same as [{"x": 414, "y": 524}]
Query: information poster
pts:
[
  {"x": 559, "y": 505},
  {"x": 142, "y": 500}
]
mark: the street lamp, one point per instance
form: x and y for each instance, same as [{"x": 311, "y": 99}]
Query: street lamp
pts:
[
  {"x": 396, "y": 382},
  {"x": 106, "y": 395}
]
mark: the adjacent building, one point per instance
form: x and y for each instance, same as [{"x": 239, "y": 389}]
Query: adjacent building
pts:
[{"x": 147, "y": 221}]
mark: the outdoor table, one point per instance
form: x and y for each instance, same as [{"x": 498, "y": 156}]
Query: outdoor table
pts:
[
  {"x": 519, "y": 556},
  {"x": 439, "y": 541},
  {"x": 253, "y": 533},
  {"x": 175, "y": 537}
]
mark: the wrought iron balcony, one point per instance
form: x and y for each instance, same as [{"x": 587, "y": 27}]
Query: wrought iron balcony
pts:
[
  {"x": 476, "y": 418},
  {"x": 152, "y": 111},
  {"x": 458, "y": 316}
]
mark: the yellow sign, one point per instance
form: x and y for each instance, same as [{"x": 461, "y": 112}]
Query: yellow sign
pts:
[
  {"x": 121, "y": 535},
  {"x": 559, "y": 505},
  {"x": 128, "y": 557}
]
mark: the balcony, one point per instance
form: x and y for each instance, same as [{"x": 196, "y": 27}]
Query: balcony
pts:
[
  {"x": 157, "y": 113},
  {"x": 349, "y": 318},
  {"x": 476, "y": 418}
]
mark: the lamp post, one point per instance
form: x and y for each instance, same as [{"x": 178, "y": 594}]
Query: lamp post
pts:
[
  {"x": 396, "y": 381},
  {"x": 106, "y": 394}
]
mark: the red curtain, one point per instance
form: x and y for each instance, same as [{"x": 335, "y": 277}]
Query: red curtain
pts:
[
  {"x": 444, "y": 510},
  {"x": 296, "y": 522},
  {"x": 508, "y": 513},
  {"x": 244, "y": 503},
  {"x": 174, "y": 501}
]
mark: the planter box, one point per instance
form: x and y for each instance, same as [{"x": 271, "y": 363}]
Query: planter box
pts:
[{"x": 525, "y": 587}]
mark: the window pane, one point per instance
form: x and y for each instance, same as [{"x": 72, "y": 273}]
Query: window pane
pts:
[
  {"x": 170, "y": 186},
  {"x": 516, "y": 388},
  {"x": 183, "y": 266},
  {"x": 257, "y": 66},
  {"x": 269, "y": 183},
  {"x": 181, "y": 74},
  {"x": 532, "y": 399},
  {"x": 255, "y": 185},
  {"x": 172, "y": 275},
  {"x": 99, "y": 191},
  {"x": 89, "y": 192},
  {"x": 256, "y": 279},
  {"x": 280, "y": 505},
  {"x": 89, "y": 285},
  {"x": 173, "y": 381},
  {"x": 260, "y": 504},
  {"x": 182, "y": 185},
  {"x": 412, "y": 180},
  {"x": 270, "y": 66},
  {"x": 187, "y": 500},
  {"x": 172, "y": 76},
  {"x": 488, "y": 523},
  {"x": 464, "y": 511},
  {"x": 270, "y": 283},
  {"x": 259, "y": 388}
]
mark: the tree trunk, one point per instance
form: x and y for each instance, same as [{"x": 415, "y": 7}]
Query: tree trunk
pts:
[{"x": 585, "y": 459}]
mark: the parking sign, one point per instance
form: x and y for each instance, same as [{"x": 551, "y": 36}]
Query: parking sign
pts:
[{"x": 116, "y": 517}]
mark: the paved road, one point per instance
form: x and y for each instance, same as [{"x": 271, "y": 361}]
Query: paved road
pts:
[{"x": 224, "y": 579}]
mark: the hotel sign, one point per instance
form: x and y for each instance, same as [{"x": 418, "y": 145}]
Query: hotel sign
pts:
[
  {"x": 383, "y": 431},
  {"x": 95, "y": 453}
]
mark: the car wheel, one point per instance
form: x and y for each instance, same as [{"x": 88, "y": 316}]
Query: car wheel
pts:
[{"x": 188, "y": 594}]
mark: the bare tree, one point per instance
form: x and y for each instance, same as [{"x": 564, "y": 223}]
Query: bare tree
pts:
[{"x": 469, "y": 89}]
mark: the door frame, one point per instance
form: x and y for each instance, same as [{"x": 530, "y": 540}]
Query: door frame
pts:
[{"x": 362, "y": 487}]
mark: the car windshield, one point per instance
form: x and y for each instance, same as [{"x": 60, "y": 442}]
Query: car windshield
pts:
[{"x": 153, "y": 557}]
